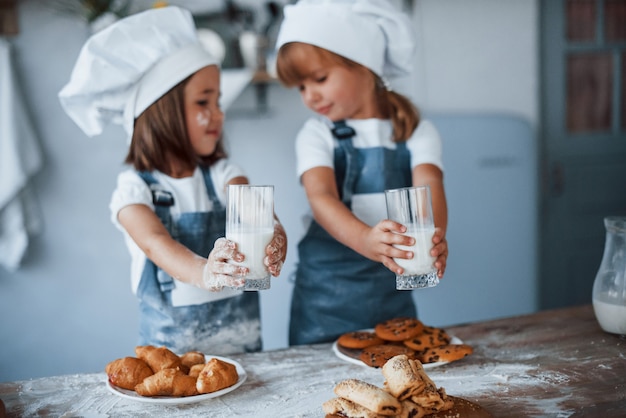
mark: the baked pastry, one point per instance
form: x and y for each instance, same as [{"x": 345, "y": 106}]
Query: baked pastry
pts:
[
  {"x": 344, "y": 408},
  {"x": 369, "y": 396},
  {"x": 399, "y": 329},
  {"x": 408, "y": 393},
  {"x": 429, "y": 337},
  {"x": 377, "y": 355},
  {"x": 191, "y": 358},
  {"x": 403, "y": 377},
  {"x": 359, "y": 339},
  {"x": 407, "y": 379},
  {"x": 158, "y": 358},
  {"x": 450, "y": 352},
  {"x": 216, "y": 375},
  {"x": 196, "y": 369},
  {"x": 167, "y": 382},
  {"x": 127, "y": 372},
  {"x": 431, "y": 398},
  {"x": 412, "y": 410}
]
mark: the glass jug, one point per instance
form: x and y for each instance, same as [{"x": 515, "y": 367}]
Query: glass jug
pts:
[{"x": 609, "y": 287}]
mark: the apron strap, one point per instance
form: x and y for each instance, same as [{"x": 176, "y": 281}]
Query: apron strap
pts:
[
  {"x": 162, "y": 200},
  {"x": 344, "y": 134},
  {"x": 217, "y": 205}
]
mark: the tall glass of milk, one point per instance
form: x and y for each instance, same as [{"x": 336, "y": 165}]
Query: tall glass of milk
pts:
[
  {"x": 412, "y": 207},
  {"x": 250, "y": 223}
]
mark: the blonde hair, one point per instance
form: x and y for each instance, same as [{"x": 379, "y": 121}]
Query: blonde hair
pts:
[{"x": 292, "y": 69}]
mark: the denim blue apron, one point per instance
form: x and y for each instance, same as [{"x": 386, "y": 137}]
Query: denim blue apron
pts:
[
  {"x": 337, "y": 290},
  {"x": 224, "y": 326}
]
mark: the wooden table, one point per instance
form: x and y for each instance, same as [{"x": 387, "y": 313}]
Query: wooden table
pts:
[{"x": 555, "y": 363}]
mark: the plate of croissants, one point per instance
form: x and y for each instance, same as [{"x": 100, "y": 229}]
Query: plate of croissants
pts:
[{"x": 158, "y": 375}]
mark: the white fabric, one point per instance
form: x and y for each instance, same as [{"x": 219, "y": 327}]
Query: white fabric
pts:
[
  {"x": 370, "y": 32},
  {"x": 315, "y": 146},
  {"x": 126, "y": 67},
  {"x": 190, "y": 195},
  {"x": 20, "y": 160}
]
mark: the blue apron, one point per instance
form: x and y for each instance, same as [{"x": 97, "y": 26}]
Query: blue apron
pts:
[
  {"x": 224, "y": 326},
  {"x": 337, "y": 290}
]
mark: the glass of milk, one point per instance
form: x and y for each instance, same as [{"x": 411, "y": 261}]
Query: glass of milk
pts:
[
  {"x": 412, "y": 207},
  {"x": 250, "y": 223}
]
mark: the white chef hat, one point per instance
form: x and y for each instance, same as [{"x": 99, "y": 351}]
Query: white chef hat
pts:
[
  {"x": 372, "y": 33},
  {"x": 126, "y": 67}
]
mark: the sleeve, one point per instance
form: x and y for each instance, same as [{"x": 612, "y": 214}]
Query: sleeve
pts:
[
  {"x": 223, "y": 171},
  {"x": 314, "y": 146},
  {"x": 425, "y": 145},
  {"x": 130, "y": 190}
]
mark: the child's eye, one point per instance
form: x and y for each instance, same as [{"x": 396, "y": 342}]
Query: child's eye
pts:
[
  {"x": 321, "y": 79},
  {"x": 202, "y": 102}
]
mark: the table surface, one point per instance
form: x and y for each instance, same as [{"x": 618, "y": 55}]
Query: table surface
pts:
[{"x": 556, "y": 363}]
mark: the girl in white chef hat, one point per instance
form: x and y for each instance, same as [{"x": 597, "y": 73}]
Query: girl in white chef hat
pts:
[
  {"x": 149, "y": 73},
  {"x": 365, "y": 138}
]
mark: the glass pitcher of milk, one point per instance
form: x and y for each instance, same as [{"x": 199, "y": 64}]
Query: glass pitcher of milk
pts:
[{"x": 609, "y": 287}]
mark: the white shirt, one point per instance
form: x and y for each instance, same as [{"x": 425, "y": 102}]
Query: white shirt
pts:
[
  {"x": 190, "y": 195},
  {"x": 315, "y": 146}
]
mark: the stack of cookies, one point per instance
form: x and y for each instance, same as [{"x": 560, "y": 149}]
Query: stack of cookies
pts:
[
  {"x": 407, "y": 392},
  {"x": 407, "y": 336}
]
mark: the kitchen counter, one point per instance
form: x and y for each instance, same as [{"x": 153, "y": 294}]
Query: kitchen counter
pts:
[{"x": 556, "y": 363}]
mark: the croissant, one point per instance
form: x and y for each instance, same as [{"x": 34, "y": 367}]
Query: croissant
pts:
[
  {"x": 196, "y": 369},
  {"x": 127, "y": 372},
  {"x": 191, "y": 358},
  {"x": 158, "y": 358},
  {"x": 167, "y": 382},
  {"x": 216, "y": 375}
]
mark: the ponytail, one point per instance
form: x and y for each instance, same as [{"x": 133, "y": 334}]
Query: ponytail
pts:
[{"x": 403, "y": 113}]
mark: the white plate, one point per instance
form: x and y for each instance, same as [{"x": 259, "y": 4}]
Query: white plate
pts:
[
  {"x": 133, "y": 396},
  {"x": 338, "y": 353}
]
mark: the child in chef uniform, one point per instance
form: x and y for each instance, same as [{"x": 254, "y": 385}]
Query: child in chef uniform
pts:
[
  {"x": 364, "y": 139},
  {"x": 149, "y": 73}
]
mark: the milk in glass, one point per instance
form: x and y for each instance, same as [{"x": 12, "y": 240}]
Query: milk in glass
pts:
[
  {"x": 422, "y": 261},
  {"x": 412, "y": 207},
  {"x": 252, "y": 244},
  {"x": 250, "y": 223}
]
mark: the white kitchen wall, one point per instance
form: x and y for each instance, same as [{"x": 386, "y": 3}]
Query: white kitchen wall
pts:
[
  {"x": 478, "y": 55},
  {"x": 69, "y": 308}
]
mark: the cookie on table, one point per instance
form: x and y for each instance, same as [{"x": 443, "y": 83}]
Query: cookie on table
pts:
[
  {"x": 449, "y": 352},
  {"x": 430, "y": 337},
  {"x": 377, "y": 355},
  {"x": 399, "y": 329},
  {"x": 359, "y": 339}
]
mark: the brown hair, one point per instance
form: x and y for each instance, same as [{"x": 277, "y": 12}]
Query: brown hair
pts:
[
  {"x": 160, "y": 136},
  {"x": 291, "y": 68}
]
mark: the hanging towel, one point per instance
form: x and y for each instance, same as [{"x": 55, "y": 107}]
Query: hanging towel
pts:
[{"x": 20, "y": 160}]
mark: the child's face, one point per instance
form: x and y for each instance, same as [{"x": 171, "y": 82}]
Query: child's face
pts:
[
  {"x": 339, "y": 92},
  {"x": 203, "y": 115}
]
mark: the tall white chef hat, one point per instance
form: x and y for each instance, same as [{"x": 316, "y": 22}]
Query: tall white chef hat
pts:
[
  {"x": 370, "y": 32},
  {"x": 126, "y": 67}
]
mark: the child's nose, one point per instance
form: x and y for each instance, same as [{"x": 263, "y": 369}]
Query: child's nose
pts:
[
  {"x": 311, "y": 95},
  {"x": 217, "y": 114}
]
